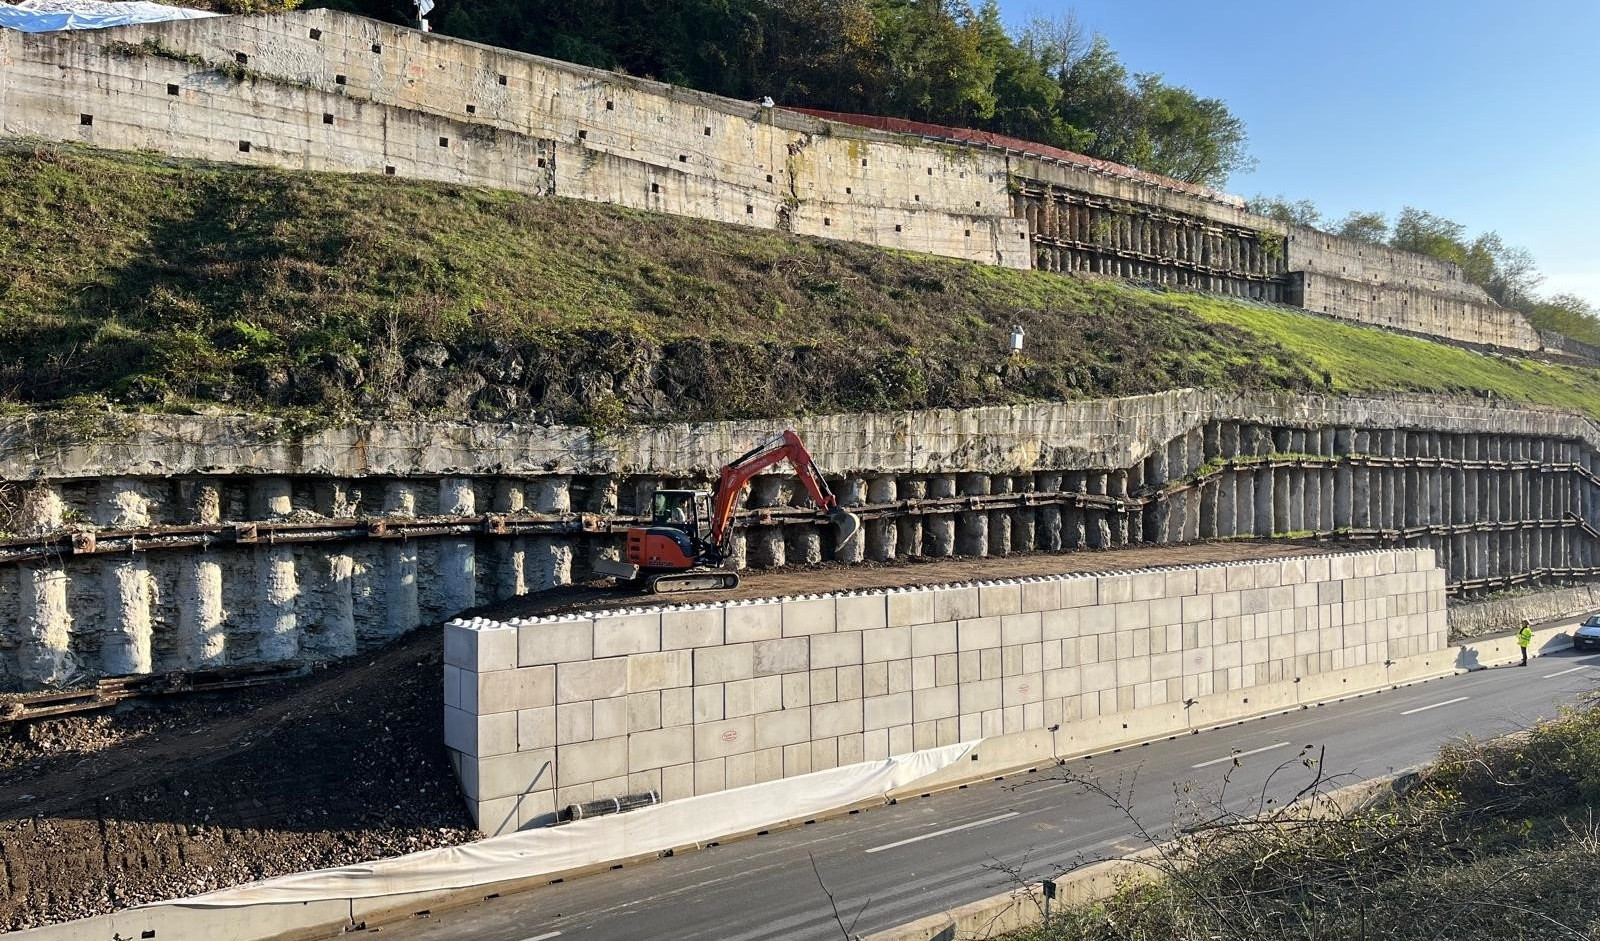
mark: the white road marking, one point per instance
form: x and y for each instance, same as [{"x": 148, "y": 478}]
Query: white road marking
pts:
[
  {"x": 1447, "y": 702},
  {"x": 546, "y": 936},
  {"x": 1551, "y": 676},
  {"x": 1253, "y": 751},
  {"x": 928, "y": 836}
]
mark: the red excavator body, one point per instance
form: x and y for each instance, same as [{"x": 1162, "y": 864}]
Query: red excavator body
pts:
[{"x": 686, "y": 542}]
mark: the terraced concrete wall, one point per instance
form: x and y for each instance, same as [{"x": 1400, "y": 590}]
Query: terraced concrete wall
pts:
[
  {"x": 329, "y": 91},
  {"x": 547, "y": 712},
  {"x": 322, "y": 90},
  {"x": 154, "y": 543}
]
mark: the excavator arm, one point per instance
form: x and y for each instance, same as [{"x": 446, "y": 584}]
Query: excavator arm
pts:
[{"x": 739, "y": 471}]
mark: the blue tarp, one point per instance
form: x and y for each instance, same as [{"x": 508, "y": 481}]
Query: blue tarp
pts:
[{"x": 46, "y": 16}]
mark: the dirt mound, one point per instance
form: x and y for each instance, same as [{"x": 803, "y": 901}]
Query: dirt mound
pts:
[{"x": 171, "y": 798}]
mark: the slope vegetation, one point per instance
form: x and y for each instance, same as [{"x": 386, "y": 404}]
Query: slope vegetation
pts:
[{"x": 152, "y": 283}]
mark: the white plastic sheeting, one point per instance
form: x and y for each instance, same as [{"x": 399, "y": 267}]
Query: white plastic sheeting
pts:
[
  {"x": 48, "y": 16},
  {"x": 587, "y": 842}
]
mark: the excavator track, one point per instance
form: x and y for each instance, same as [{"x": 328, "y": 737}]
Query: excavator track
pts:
[{"x": 673, "y": 582}]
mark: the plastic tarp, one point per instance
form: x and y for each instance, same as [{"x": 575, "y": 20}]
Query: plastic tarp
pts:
[
  {"x": 48, "y": 16},
  {"x": 582, "y": 843}
]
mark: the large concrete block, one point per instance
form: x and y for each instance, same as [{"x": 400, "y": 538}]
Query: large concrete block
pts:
[
  {"x": 560, "y": 642},
  {"x": 953, "y": 604},
  {"x": 1061, "y": 683},
  {"x": 710, "y": 776},
  {"x": 980, "y": 696},
  {"x": 508, "y": 690},
  {"x": 1042, "y": 595},
  {"x": 660, "y": 748},
  {"x": 809, "y": 616},
  {"x": 931, "y": 639},
  {"x": 644, "y": 712},
  {"x": 611, "y": 717},
  {"x": 831, "y": 720},
  {"x": 480, "y": 650},
  {"x": 750, "y": 621},
  {"x": 1146, "y": 585},
  {"x": 655, "y": 671},
  {"x": 574, "y": 722},
  {"x": 1080, "y": 591},
  {"x": 909, "y": 606},
  {"x": 591, "y": 679},
  {"x": 691, "y": 627},
  {"x": 536, "y": 728},
  {"x": 620, "y": 635},
  {"x": 724, "y": 738},
  {"x": 1021, "y": 629},
  {"x": 1165, "y": 611},
  {"x": 785, "y": 655},
  {"x": 882, "y": 712},
  {"x": 861, "y": 612},
  {"x": 1132, "y": 615},
  {"x": 597, "y": 760},
  {"x": 480, "y": 736},
  {"x": 1180, "y": 583},
  {"x": 721, "y": 664},
  {"x": 784, "y": 727},
  {"x": 1021, "y": 689},
  {"x": 677, "y": 707},
  {"x": 835, "y": 650},
  {"x": 998, "y": 600},
  {"x": 938, "y": 702},
  {"x": 1115, "y": 589},
  {"x": 508, "y": 775},
  {"x": 976, "y": 634},
  {"x": 888, "y": 643}
]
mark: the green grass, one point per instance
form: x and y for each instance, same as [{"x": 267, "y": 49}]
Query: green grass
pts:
[
  {"x": 1357, "y": 359},
  {"x": 155, "y": 283}
]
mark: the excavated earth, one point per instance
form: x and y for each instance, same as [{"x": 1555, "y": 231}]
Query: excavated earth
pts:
[{"x": 166, "y": 798}]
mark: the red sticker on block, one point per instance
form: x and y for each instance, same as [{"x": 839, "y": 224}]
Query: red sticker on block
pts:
[{"x": 732, "y": 735}]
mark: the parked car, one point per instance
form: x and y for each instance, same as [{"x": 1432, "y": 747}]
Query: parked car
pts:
[{"x": 1587, "y": 636}]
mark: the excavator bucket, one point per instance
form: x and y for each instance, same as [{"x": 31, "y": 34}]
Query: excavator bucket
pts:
[{"x": 847, "y": 523}]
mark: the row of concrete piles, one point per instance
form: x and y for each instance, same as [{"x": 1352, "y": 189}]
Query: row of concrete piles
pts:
[
  {"x": 1493, "y": 507},
  {"x": 1284, "y": 482},
  {"x": 275, "y": 589}
]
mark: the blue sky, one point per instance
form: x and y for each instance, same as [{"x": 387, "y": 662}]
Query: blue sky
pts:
[{"x": 1487, "y": 113}]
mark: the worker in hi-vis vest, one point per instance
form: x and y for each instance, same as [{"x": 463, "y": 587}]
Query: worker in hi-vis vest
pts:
[{"x": 1524, "y": 638}]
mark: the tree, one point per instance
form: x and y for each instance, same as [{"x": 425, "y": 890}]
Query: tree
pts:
[
  {"x": 1428, "y": 234},
  {"x": 1369, "y": 227},
  {"x": 1300, "y": 212},
  {"x": 1188, "y": 137}
]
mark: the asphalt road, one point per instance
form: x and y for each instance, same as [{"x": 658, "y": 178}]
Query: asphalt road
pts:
[{"x": 893, "y": 864}]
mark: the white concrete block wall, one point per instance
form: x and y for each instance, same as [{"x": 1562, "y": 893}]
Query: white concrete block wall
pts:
[{"x": 543, "y": 713}]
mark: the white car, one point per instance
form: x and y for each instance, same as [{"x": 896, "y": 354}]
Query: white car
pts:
[{"x": 1587, "y": 636}]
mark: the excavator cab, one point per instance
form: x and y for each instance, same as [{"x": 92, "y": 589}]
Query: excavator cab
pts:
[{"x": 686, "y": 510}]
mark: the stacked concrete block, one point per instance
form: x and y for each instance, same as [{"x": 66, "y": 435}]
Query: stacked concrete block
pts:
[{"x": 543, "y": 713}]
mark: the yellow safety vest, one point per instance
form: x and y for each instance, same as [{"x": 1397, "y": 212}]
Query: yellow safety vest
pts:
[{"x": 1525, "y": 637}]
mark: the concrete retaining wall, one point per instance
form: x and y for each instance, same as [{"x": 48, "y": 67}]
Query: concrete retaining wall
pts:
[
  {"x": 542, "y": 713},
  {"x": 317, "y": 89},
  {"x": 160, "y": 543},
  {"x": 1475, "y": 619}
]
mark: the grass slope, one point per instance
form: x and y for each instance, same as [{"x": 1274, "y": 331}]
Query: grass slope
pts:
[{"x": 165, "y": 284}]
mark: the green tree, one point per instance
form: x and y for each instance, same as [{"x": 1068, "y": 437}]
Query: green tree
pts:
[
  {"x": 1296, "y": 212},
  {"x": 1369, "y": 227},
  {"x": 1188, "y": 137}
]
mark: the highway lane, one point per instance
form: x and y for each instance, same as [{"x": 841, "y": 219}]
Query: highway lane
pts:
[{"x": 892, "y": 864}]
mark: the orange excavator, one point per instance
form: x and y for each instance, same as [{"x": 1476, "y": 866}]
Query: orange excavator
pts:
[{"x": 686, "y": 543}]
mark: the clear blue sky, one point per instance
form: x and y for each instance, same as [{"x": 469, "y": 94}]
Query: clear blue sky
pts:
[{"x": 1487, "y": 113}]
